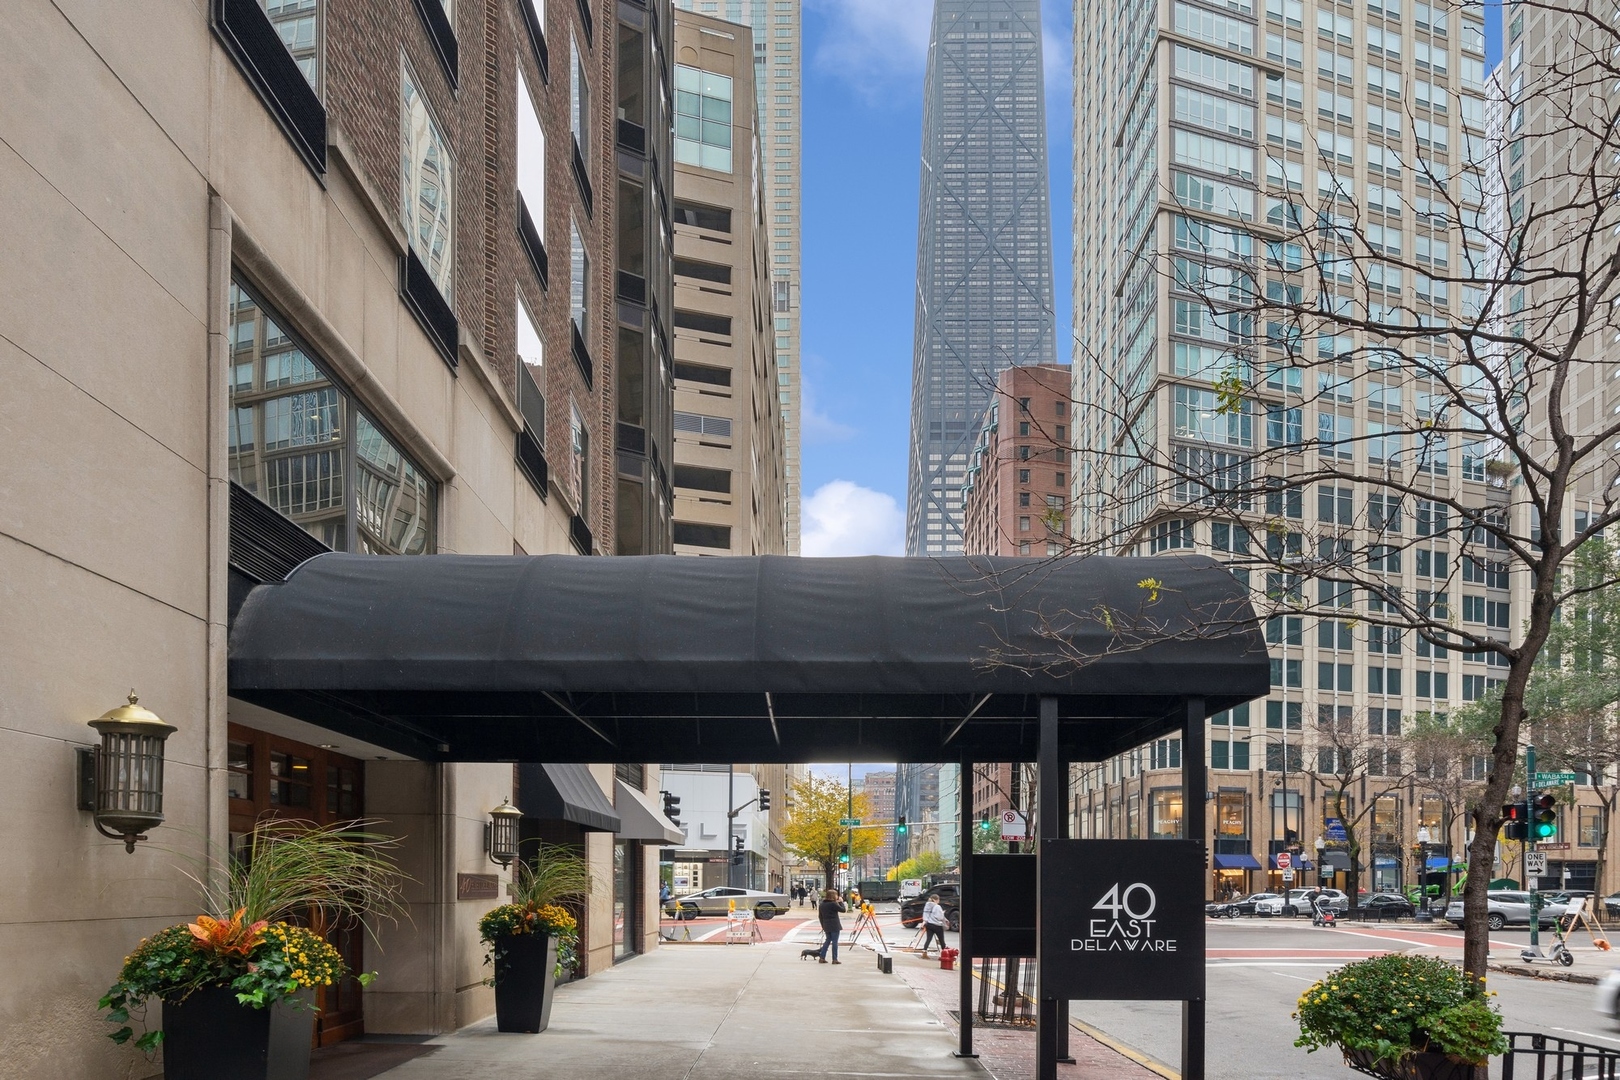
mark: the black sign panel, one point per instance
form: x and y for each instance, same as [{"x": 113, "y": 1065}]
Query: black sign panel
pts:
[
  {"x": 1122, "y": 920},
  {"x": 1001, "y": 906}
]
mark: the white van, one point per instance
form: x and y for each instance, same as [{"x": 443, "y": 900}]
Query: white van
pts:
[{"x": 910, "y": 887}]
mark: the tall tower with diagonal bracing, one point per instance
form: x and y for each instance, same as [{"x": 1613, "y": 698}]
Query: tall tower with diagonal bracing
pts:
[{"x": 984, "y": 246}]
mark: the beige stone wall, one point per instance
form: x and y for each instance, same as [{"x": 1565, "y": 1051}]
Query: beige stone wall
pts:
[{"x": 138, "y": 168}]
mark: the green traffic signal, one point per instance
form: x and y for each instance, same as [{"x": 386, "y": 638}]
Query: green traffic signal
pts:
[
  {"x": 1545, "y": 825},
  {"x": 900, "y": 826}
]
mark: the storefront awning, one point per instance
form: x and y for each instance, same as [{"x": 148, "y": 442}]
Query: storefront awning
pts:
[
  {"x": 640, "y": 820},
  {"x": 1237, "y": 862},
  {"x": 1336, "y": 860},
  {"x": 553, "y": 792},
  {"x": 1299, "y": 863},
  {"x": 1385, "y": 862},
  {"x": 1438, "y": 862}
]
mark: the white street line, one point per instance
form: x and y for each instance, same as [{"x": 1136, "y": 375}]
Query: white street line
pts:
[
  {"x": 1285, "y": 975},
  {"x": 1589, "y": 1035},
  {"x": 1271, "y": 963}
]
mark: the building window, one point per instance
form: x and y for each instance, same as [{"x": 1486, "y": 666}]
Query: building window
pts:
[
  {"x": 298, "y": 441},
  {"x": 1590, "y": 832},
  {"x": 426, "y": 172},
  {"x": 579, "y": 281},
  {"x": 531, "y": 156},
  {"x": 579, "y": 104},
  {"x": 298, "y": 22},
  {"x": 702, "y": 118},
  {"x": 1232, "y": 813},
  {"x": 580, "y": 481},
  {"x": 1164, "y": 814}
]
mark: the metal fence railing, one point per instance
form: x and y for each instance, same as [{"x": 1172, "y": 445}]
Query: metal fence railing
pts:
[
  {"x": 1006, "y": 991},
  {"x": 1533, "y": 1056}
]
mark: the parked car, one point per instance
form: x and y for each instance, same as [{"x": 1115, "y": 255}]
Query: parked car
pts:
[
  {"x": 1219, "y": 909},
  {"x": 1508, "y": 907},
  {"x": 1611, "y": 905},
  {"x": 1300, "y": 902},
  {"x": 1246, "y": 905},
  {"x": 1388, "y": 906},
  {"x": 950, "y": 898},
  {"x": 718, "y": 901}
]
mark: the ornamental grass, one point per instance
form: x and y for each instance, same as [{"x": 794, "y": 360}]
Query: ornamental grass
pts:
[{"x": 289, "y": 870}]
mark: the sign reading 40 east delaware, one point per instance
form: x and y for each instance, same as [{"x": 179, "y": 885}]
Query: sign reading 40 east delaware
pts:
[{"x": 1122, "y": 920}]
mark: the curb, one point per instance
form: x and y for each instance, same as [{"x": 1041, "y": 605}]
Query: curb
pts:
[{"x": 1527, "y": 971}]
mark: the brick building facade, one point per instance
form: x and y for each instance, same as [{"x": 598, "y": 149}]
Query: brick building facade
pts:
[{"x": 1015, "y": 500}]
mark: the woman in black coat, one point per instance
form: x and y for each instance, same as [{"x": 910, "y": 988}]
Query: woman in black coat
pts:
[{"x": 831, "y": 924}]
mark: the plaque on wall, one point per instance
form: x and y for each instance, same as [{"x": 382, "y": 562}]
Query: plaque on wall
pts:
[{"x": 477, "y": 886}]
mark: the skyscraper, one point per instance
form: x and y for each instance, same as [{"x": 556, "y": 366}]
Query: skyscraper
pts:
[
  {"x": 777, "y": 74},
  {"x": 1223, "y": 152},
  {"x": 984, "y": 246}
]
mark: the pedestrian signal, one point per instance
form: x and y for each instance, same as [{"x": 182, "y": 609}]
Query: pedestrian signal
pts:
[{"x": 1514, "y": 822}]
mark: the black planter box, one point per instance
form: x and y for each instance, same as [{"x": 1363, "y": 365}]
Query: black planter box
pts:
[
  {"x": 524, "y": 967},
  {"x": 209, "y": 1036}
]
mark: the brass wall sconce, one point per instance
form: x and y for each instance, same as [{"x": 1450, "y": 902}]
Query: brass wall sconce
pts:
[
  {"x": 121, "y": 781},
  {"x": 501, "y": 834}
]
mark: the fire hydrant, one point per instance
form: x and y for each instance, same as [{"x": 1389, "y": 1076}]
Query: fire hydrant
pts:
[{"x": 947, "y": 959}]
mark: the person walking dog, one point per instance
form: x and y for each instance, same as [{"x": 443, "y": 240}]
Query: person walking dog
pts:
[
  {"x": 831, "y": 924},
  {"x": 933, "y": 923}
]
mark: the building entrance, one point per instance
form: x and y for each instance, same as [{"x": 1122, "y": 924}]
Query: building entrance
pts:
[{"x": 275, "y": 778}]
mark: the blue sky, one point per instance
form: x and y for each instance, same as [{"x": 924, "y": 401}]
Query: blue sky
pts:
[{"x": 863, "y": 75}]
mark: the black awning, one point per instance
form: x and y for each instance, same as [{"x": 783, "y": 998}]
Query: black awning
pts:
[
  {"x": 554, "y": 792},
  {"x": 767, "y": 659}
]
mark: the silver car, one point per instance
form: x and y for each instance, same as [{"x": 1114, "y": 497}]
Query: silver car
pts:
[
  {"x": 719, "y": 901},
  {"x": 1508, "y": 907}
]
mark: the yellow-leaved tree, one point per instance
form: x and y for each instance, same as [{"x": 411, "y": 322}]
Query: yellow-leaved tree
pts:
[{"x": 813, "y": 830}]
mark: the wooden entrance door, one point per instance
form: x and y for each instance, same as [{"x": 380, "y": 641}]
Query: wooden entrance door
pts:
[{"x": 271, "y": 777}]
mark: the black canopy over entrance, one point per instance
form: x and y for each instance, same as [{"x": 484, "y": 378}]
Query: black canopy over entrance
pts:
[{"x": 770, "y": 659}]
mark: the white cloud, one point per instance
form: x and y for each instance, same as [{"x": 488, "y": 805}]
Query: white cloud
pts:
[
  {"x": 817, "y": 426},
  {"x": 875, "y": 45},
  {"x": 843, "y": 518}
]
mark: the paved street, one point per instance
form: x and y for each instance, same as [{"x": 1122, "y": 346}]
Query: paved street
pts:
[{"x": 1258, "y": 968}]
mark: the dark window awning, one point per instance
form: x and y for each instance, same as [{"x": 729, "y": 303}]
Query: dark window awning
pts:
[
  {"x": 552, "y": 792},
  {"x": 1336, "y": 860},
  {"x": 1237, "y": 862},
  {"x": 762, "y": 659},
  {"x": 640, "y": 820}
]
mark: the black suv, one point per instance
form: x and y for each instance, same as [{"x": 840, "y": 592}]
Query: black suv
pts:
[{"x": 950, "y": 898}]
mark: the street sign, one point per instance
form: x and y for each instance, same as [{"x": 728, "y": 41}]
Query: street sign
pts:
[
  {"x": 1551, "y": 779},
  {"x": 1013, "y": 825},
  {"x": 1285, "y": 861},
  {"x": 1535, "y": 862},
  {"x": 847, "y": 822},
  {"x": 1287, "y": 876},
  {"x": 1335, "y": 830}
]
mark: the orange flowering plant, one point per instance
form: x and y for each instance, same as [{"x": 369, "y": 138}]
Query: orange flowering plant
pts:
[
  {"x": 290, "y": 871},
  {"x": 553, "y": 873}
]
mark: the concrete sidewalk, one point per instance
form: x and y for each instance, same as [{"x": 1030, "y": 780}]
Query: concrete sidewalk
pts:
[
  {"x": 1591, "y": 963},
  {"x": 737, "y": 1012}
]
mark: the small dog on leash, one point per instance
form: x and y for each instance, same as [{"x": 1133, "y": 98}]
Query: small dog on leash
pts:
[{"x": 805, "y": 954}]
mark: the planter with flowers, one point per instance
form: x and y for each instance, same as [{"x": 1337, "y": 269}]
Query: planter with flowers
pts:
[
  {"x": 237, "y": 990},
  {"x": 534, "y": 939},
  {"x": 1403, "y": 1018}
]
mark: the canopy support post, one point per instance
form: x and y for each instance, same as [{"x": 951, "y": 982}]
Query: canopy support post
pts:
[
  {"x": 1194, "y": 793},
  {"x": 964, "y": 978},
  {"x": 1051, "y": 786}
]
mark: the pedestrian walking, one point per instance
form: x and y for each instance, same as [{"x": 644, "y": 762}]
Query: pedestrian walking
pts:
[
  {"x": 933, "y": 923},
  {"x": 831, "y": 924}
]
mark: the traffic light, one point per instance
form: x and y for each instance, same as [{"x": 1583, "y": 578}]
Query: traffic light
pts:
[
  {"x": 900, "y": 826},
  {"x": 672, "y": 808},
  {"x": 843, "y": 858},
  {"x": 764, "y": 798},
  {"x": 737, "y": 851},
  {"x": 1545, "y": 825},
  {"x": 1513, "y": 822},
  {"x": 984, "y": 820}
]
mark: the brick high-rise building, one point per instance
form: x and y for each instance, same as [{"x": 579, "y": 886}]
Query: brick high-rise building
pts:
[
  {"x": 729, "y": 435},
  {"x": 1016, "y": 497},
  {"x": 385, "y": 277}
]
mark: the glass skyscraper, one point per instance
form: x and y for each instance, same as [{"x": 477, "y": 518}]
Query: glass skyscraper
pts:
[
  {"x": 984, "y": 246},
  {"x": 777, "y": 26}
]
